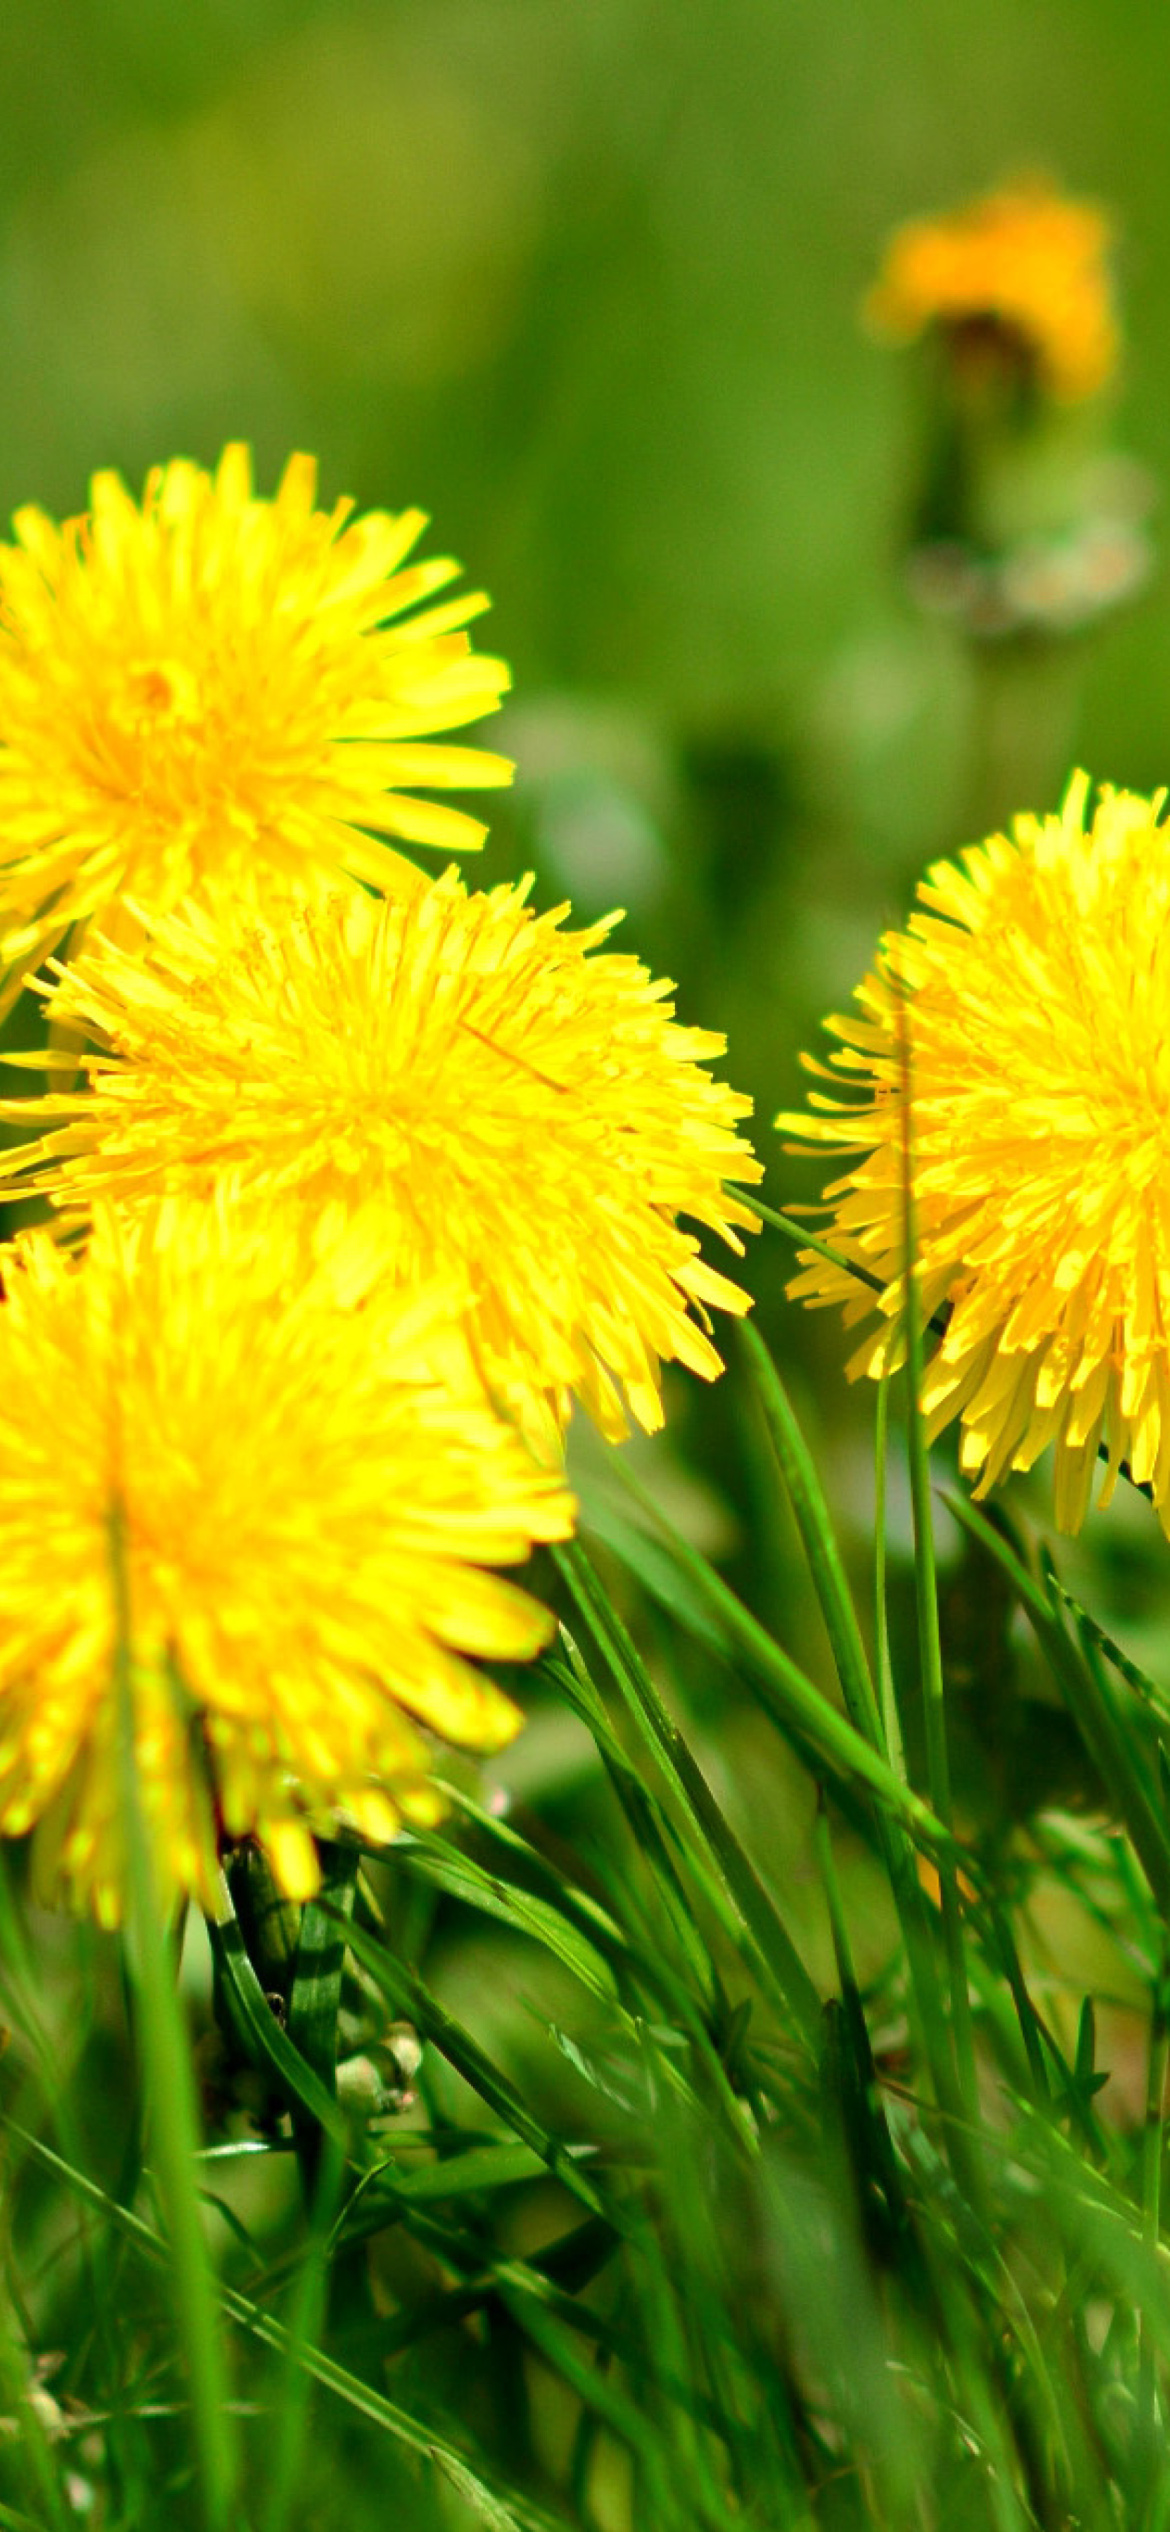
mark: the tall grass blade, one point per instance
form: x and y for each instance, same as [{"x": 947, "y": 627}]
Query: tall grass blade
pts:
[
  {"x": 409, "y": 1994},
  {"x": 926, "y": 1600},
  {"x": 811, "y": 1511},
  {"x": 794, "y": 1701},
  {"x": 166, "y": 2056},
  {"x": 783, "y": 1968}
]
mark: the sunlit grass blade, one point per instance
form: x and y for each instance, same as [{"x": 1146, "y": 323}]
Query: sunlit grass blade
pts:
[
  {"x": 631, "y": 1959},
  {"x": 1150, "y": 1690},
  {"x": 887, "y": 1702},
  {"x": 162, "y": 2037},
  {"x": 794, "y": 1701},
  {"x": 879, "y": 1723},
  {"x": 679, "y": 1875},
  {"x": 462, "y": 1878},
  {"x": 782, "y": 1966},
  {"x": 817, "y": 1537},
  {"x": 926, "y": 1596}
]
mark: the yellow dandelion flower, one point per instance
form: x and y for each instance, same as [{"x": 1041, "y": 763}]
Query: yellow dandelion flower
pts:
[
  {"x": 213, "y": 684},
  {"x": 475, "y": 1091},
  {"x": 1024, "y": 1013},
  {"x": 1026, "y": 260},
  {"x": 307, "y": 1516}
]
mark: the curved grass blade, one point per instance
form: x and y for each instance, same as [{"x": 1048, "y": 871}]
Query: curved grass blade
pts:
[
  {"x": 781, "y": 1965},
  {"x": 462, "y": 1878},
  {"x": 653, "y": 1832},
  {"x": 409, "y": 1995},
  {"x": 794, "y": 1701}
]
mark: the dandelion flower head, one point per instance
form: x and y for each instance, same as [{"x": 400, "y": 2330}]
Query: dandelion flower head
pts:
[
  {"x": 211, "y": 683},
  {"x": 1022, "y": 1020},
  {"x": 308, "y": 1518},
  {"x": 480, "y": 1092},
  {"x": 1027, "y": 260}
]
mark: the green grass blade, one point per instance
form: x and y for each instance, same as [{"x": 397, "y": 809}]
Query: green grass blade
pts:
[
  {"x": 887, "y": 1702},
  {"x": 811, "y": 1511},
  {"x": 409, "y": 1995},
  {"x": 782, "y": 1967},
  {"x": 436, "y": 1861},
  {"x": 23, "y": 2422},
  {"x": 463, "y": 2175},
  {"x": 624, "y": 2418},
  {"x": 802, "y": 1237},
  {"x": 1149, "y": 1690},
  {"x": 793, "y": 1699},
  {"x": 926, "y": 1604},
  {"x": 677, "y": 1873},
  {"x": 291, "y": 2409},
  {"x": 162, "y": 2037},
  {"x": 872, "y": 1711},
  {"x": 1077, "y": 1670}
]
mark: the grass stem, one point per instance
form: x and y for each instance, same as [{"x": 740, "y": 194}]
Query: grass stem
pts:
[{"x": 162, "y": 2036}]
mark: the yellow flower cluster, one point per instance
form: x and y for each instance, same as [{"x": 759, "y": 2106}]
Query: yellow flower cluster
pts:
[
  {"x": 366, "y": 1178},
  {"x": 1010, "y": 1057},
  {"x": 1028, "y": 261}
]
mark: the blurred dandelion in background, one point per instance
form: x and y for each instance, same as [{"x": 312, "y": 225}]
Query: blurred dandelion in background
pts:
[
  {"x": 1026, "y": 529},
  {"x": 1019, "y": 278}
]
